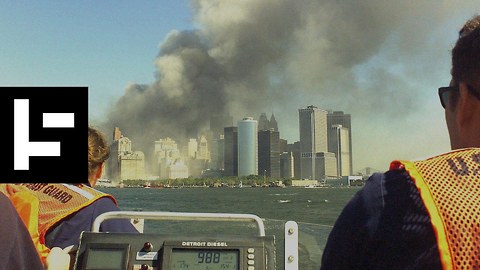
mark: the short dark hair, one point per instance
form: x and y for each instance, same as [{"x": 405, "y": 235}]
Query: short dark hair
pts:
[{"x": 466, "y": 54}]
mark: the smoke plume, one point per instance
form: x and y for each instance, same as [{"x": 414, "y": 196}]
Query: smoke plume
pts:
[{"x": 375, "y": 60}]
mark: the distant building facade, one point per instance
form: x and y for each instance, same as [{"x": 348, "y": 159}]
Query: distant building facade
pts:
[
  {"x": 345, "y": 120},
  {"x": 326, "y": 166},
  {"x": 217, "y": 153},
  {"x": 339, "y": 144},
  {"x": 124, "y": 164},
  {"x": 269, "y": 153},
  {"x": 287, "y": 165},
  {"x": 265, "y": 124},
  {"x": 314, "y": 157},
  {"x": 166, "y": 154},
  {"x": 230, "y": 151},
  {"x": 313, "y": 130},
  {"x": 203, "y": 151},
  {"x": 294, "y": 148},
  {"x": 247, "y": 147},
  {"x": 132, "y": 166}
]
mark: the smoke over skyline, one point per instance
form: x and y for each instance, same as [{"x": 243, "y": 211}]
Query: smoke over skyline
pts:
[{"x": 379, "y": 61}]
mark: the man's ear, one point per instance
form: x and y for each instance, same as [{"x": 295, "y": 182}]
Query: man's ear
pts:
[{"x": 99, "y": 172}]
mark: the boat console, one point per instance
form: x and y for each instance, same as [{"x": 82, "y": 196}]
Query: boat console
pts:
[{"x": 129, "y": 251}]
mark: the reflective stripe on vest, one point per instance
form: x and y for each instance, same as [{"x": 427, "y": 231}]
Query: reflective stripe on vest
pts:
[
  {"x": 449, "y": 186},
  {"x": 56, "y": 201}
]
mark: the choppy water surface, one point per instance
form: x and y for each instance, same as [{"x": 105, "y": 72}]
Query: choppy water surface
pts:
[
  {"x": 310, "y": 205},
  {"x": 314, "y": 209}
]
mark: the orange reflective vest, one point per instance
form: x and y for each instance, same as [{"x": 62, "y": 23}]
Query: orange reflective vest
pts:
[
  {"x": 43, "y": 205},
  {"x": 449, "y": 186}
]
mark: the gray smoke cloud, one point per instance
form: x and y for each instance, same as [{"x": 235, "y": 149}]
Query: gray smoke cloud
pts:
[{"x": 372, "y": 59}]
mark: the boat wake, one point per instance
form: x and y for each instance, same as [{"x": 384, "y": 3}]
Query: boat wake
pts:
[{"x": 284, "y": 201}]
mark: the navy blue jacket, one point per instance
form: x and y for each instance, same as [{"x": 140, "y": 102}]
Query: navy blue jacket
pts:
[
  {"x": 68, "y": 231},
  {"x": 384, "y": 226},
  {"x": 16, "y": 246}
]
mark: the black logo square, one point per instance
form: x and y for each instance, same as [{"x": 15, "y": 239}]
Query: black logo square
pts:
[{"x": 45, "y": 134}]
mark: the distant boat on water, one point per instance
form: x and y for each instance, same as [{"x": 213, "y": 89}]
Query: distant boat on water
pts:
[{"x": 284, "y": 201}]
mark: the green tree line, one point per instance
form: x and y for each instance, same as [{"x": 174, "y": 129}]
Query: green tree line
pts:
[{"x": 251, "y": 180}]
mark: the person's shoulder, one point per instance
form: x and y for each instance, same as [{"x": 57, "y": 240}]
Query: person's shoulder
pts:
[
  {"x": 105, "y": 204},
  {"x": 97, "y": 207},
  {"x": 373, "y": 183},
  {"x": 4, "y": 201}
]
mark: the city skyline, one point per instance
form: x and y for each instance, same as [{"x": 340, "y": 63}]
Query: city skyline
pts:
[
  {"x": 379, "y": 61},
  {"x": 253, "y": 147}
]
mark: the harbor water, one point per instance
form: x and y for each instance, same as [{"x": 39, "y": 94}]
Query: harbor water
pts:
[
  {"x": 308, "y": 205},
  {"x": 314, "y": 209}
]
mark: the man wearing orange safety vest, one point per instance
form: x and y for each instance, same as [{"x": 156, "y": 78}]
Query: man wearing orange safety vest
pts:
[
  {"x": 423, "y": 214},
  {"x": 44, "y": 206}
]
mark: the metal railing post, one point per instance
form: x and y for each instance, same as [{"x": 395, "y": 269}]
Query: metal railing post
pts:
[{"x": 291, "y": 245}]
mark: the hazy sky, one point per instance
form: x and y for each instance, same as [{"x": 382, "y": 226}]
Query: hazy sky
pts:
[{"x": 380, "y": 61}]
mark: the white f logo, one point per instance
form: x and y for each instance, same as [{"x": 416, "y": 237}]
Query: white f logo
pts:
[{"x": 23, "y": 147}]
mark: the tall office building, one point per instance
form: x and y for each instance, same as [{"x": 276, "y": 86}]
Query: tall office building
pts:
[
  {"x": 269, "y": 153},
  {"x": 325, "y": 166},
  {"x": 313, "y": 139},
  {"x": 338, "y": 143},
  {"x": 217, "y": 153},
  {"x": 287, "y": 165},
  {"x": 203, "y": 152},
  {"x": 313, "y": 130},
  {"x": 273, "y": 123},
  {"x": 230, "y": 151},
  {"x": 345, "y": 120},
  {"x": 124, "y": 163},
  {"x": 247, "y": 147},
  {"x": 265, "y": 124},
  {"x": 294, "y": 148}
]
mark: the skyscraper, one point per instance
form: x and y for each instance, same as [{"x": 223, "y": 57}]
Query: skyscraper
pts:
[
  {"x": 294, "y": 148},
  {"x": 124, "y": 163},
  {"x": 265, "y": 124},
  {"x": 313, "y": 139},
  {"x": 247, "y": 147},
  {"x": 217, "y": 153},
  {"x": 345, "y": 120},
  {"x": 338, "y": 143},
  {"x": 269, "y": 153},
  {"x": 273, "y": 123},
  {"x": 230, "y": 151},
  {"x": 287, "y": 165},
  {"x": 203, "y": 152},
  {"x": 313, "y": 130}
]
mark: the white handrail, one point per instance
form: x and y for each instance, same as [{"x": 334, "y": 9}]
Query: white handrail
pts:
[{"x": 179, "y": 216}]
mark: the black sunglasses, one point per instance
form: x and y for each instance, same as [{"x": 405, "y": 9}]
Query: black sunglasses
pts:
[{"x": 444, "y": 93}]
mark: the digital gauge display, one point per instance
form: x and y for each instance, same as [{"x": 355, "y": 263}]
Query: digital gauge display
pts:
[{"x": 204, "y": 259}]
